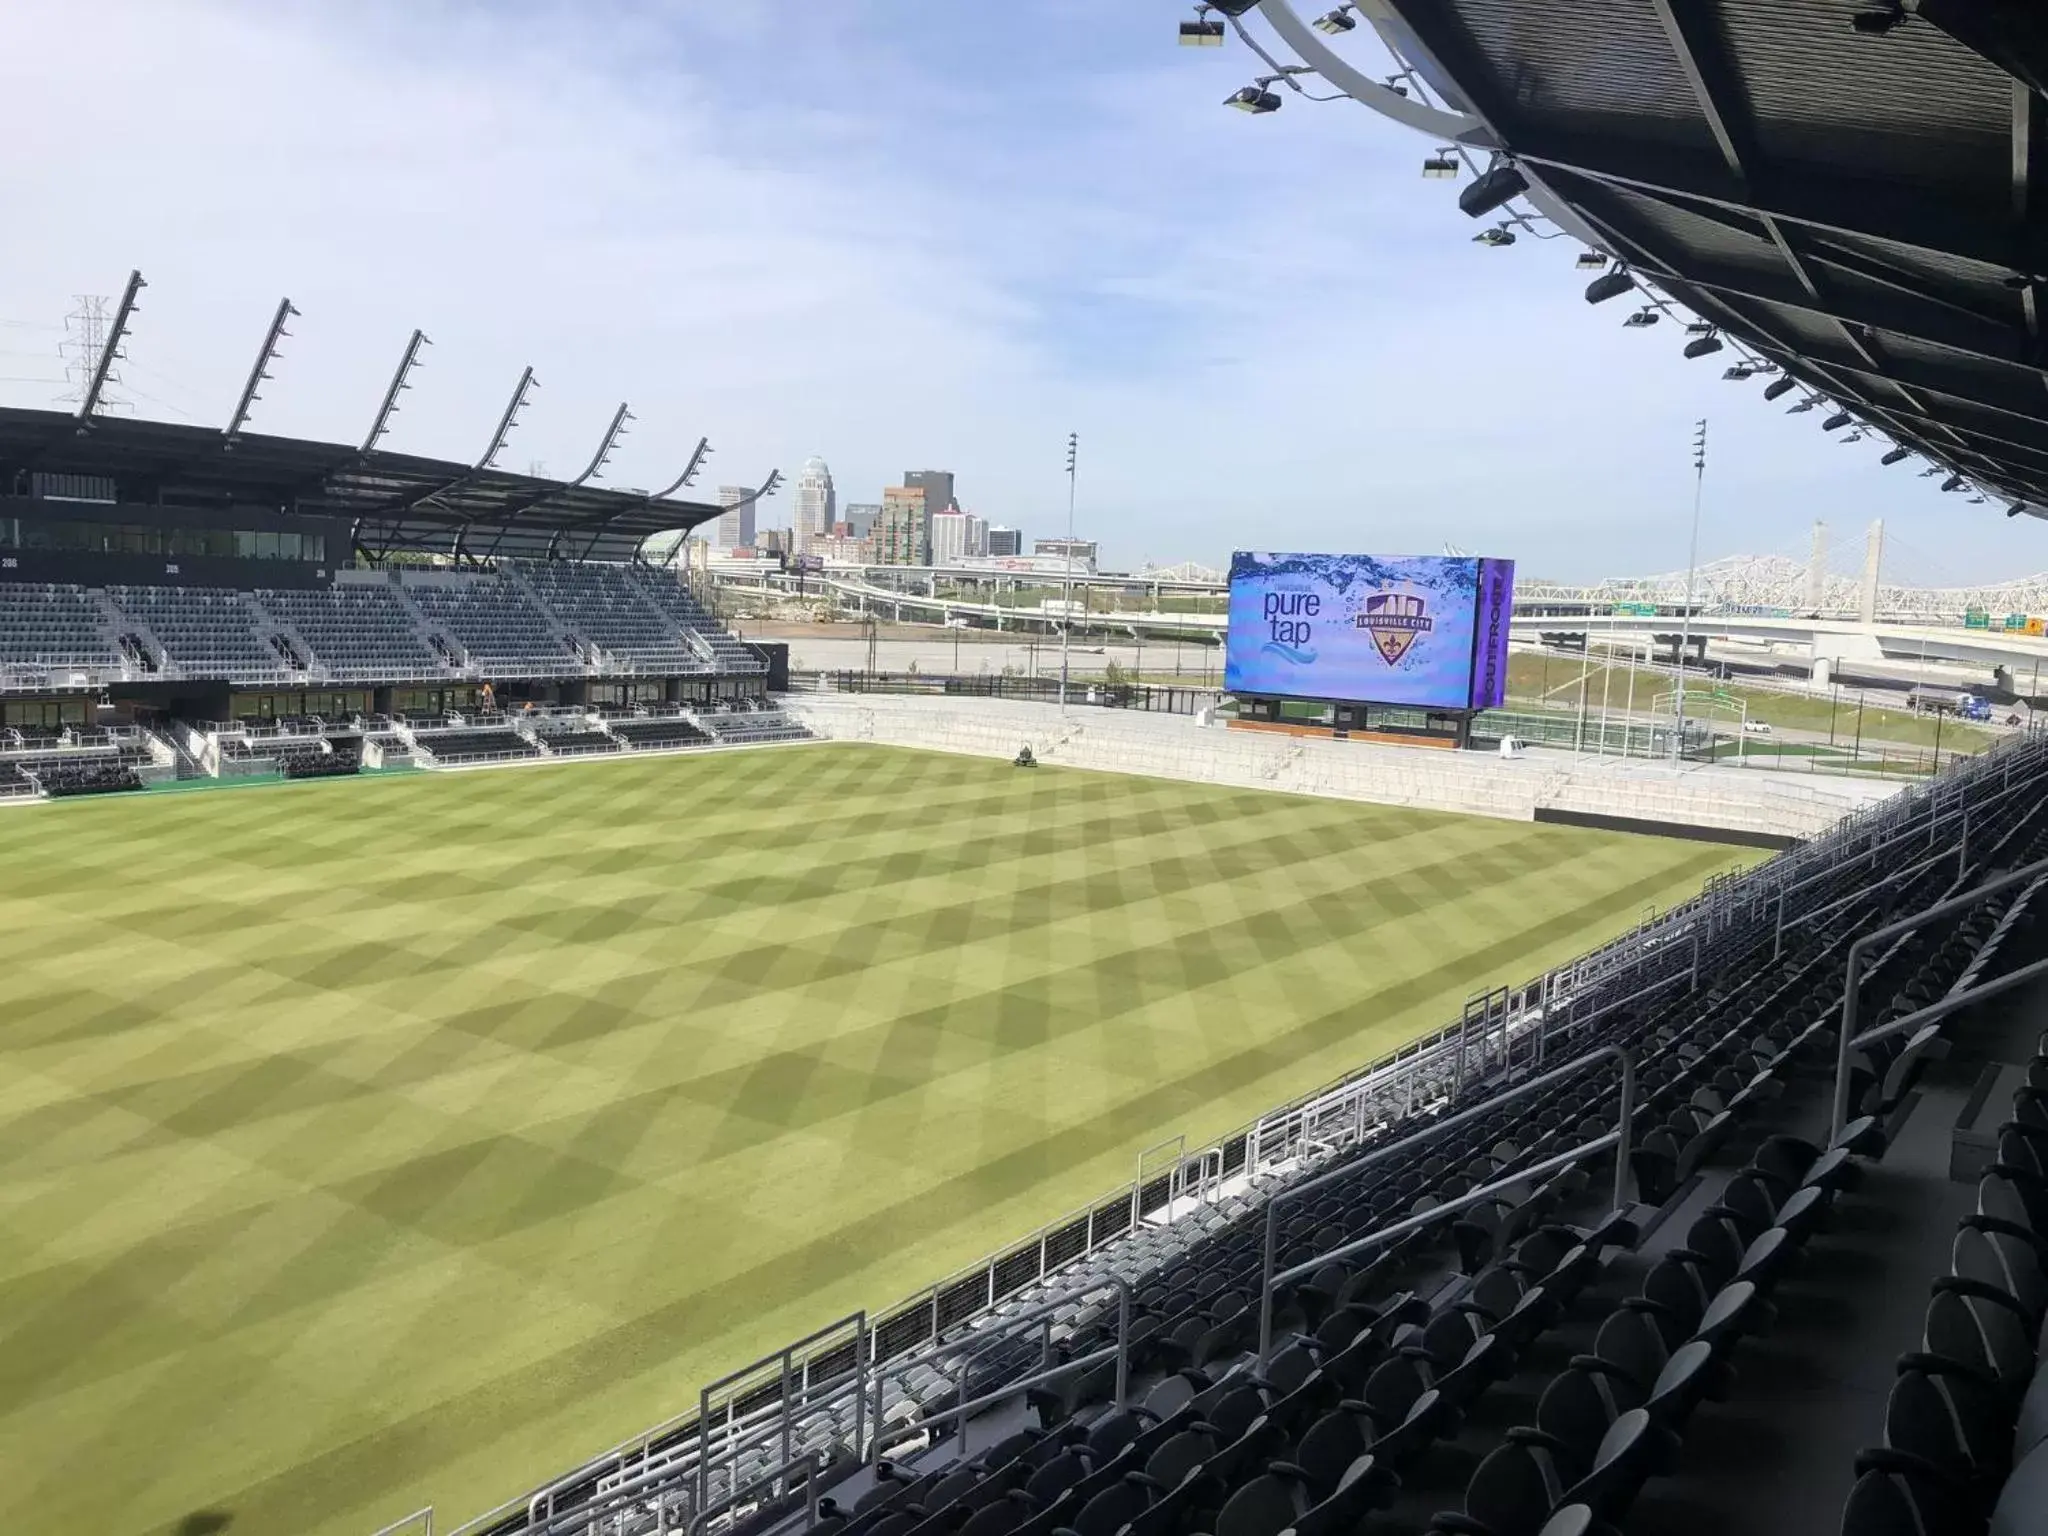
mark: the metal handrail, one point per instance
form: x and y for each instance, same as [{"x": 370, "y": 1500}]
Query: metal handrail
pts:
[
  {"x": 1960, "y": 854},
  {"x": 910, "y": 1428},
  {"x": 1578, "y": 1154},
  {"x": 812, "y": 1461},
  {"x": 1267, "y": 1279},
  {"x": 1961, "y": 995},
  {"x": 1864, "y": 943},
  {"x": 423, "y": 1518},
  {"x": 975, "y": 1345},
  {"x": 863, "y": 1351}
]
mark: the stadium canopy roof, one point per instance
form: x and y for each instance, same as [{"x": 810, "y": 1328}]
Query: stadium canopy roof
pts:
[
  {"x": 1856, "y": 189},
  {"x": 393, "y": 501}
]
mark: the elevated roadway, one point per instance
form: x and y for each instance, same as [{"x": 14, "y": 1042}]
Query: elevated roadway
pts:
[{"x": 1825, "y": 642}]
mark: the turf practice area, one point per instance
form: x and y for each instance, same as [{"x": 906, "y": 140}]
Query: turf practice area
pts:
[{"x": 366, "y": 1144}]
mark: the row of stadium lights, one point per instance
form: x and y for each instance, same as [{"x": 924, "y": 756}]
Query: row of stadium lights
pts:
[{"x": 1495, "y": 187}]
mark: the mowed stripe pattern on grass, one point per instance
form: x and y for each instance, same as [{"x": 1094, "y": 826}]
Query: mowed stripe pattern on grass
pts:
[{"x": 365, "y": 1144}]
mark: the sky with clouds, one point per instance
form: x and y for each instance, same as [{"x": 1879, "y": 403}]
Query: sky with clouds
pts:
[{"x": 897, "y": 233}]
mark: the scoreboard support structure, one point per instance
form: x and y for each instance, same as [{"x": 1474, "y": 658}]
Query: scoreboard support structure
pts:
[{"x": 1403, "y": 725}]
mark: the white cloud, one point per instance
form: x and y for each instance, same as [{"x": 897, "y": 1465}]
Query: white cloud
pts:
[{"x": 880, "y": 242}]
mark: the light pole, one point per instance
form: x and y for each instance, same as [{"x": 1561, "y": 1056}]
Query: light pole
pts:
[
  {"x": 1067, "y": 599},
  {"x": 1699, "y": 484}
]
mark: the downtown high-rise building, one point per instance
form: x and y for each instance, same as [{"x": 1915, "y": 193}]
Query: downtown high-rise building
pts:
[
  {"x": 815, "y": 508},
  {"x": 937, "y": 485},
  {"x": 860, "y": 517},
  {"x": 1005, "y": 541},
  {"x": 903, "y": 533},
  {"x": 950, "y": 542},
  {"x": 735, "y": 526}
]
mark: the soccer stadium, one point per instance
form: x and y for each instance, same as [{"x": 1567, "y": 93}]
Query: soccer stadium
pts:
[{"x": 491, "y": 1049}]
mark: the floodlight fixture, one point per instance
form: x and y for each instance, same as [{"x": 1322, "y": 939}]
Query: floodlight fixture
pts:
[
  {"x": 1336, "y": 23},
  {"x": 1877, "y": 20},
  {"x": 1737, "y": 372},
  {"x": 1609, "y": 285},
  {"x": 1202, "y": 32},
  {"x": 1897, "y": 456},
  {"x": 1699, "y": 328},
  {"x": 1703, "y": 346},
  {"x": 1836, "y": 422},
  {"x": 1854, "y": 437},
  {"x": 1255, "y": 99},
  {"x": 1498, "y": 185},
  {"x": 1781, "y": 386},
  {"x": 1930, "y": 471},
  {"x": 1976, "y": 501},
  {"x": 1590, "y": 261},
  {"x": 1803, "y": 406},
  {"x": 1953, "y": 483},
  {"x": 1643, "y": 318},
  {"x": 1441, "y": 166},
  {"x": 1495, "y": 237}
]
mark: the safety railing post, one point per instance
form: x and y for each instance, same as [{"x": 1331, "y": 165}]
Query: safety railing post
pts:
[
  {"x": 1625, "y": 1128},
  {"x": 786, "y": 1414},
  {"x": 863, "y": 1362}
]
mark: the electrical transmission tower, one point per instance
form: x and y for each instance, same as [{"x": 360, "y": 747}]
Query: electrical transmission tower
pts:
[{"x": 86, "y": 330}]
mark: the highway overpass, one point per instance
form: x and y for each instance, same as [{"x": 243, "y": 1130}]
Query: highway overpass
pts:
[{"x": 1826, "y": 643}]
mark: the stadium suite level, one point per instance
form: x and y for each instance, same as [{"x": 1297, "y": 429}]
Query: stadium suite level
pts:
[
  {"x": 1385, "y": 648},
  {"x": 160, "y": 573}
]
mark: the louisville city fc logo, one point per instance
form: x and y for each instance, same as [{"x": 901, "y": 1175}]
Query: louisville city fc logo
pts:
[{"x": 1394, "y": 619}]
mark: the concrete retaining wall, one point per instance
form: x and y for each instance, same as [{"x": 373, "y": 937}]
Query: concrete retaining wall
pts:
[{"x": 1175, "y": 747}]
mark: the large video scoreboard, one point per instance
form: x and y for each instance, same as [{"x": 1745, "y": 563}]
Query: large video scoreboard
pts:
[{"x": 1426, "y": 630}]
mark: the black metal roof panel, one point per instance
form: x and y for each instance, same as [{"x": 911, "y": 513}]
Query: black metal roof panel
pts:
[
  {"x": 1592, "y": 64},
  {"x": 1864, "y": 205},
  {"x": 1913, "y": 103},
  {"x": 395, "y": 500}
]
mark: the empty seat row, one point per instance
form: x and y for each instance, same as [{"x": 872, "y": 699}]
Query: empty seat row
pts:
[
  {"x": 53, "y": 625},
  {"x": 354, "y": 631}
]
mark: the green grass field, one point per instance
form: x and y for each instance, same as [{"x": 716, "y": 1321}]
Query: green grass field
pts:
[{"x": 366, "y": 1144}]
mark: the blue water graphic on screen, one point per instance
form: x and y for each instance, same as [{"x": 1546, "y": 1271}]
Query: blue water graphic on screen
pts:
[{"x": 1424, "y": 630}]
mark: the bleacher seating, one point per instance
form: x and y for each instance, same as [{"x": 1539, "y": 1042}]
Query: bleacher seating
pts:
[
  {"x": 492, "y": 624},
  {"x": 1519, "y": 1356},
  {"x": 655, "y": 734},
  {"x": 667, "y": 593},
  {"x": 13, "y": 781},
  {"x": 469, "y": 746},
  {"x": 72, "y": 776},
  {"x": 299, "y": 764},
  {"x": 205, "y": 631},
  {"x": 743, "y": 722},
  {"x": 44, "y": 625},
  {"x": 498, "y": 628},
  {"x": 354, "y": 632},
  {"x": 575, "y": 742},
  {"x": 606, "y": 608}
]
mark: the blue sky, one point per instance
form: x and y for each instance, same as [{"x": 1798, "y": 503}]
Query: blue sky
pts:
[{"x": 897, "y": 233}]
